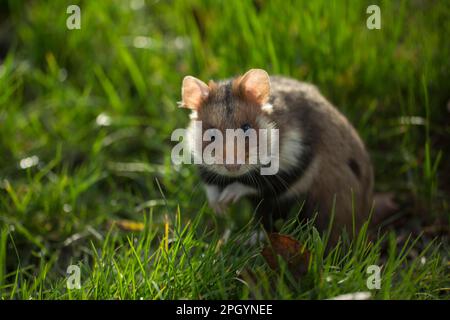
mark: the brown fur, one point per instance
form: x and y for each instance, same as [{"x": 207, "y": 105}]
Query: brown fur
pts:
[
  {"x": 335, "y": 143},
  {"x": 339, "y": 168}
]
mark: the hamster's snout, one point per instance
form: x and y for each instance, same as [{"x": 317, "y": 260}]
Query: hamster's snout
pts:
[{"x": 232, "y": 167}]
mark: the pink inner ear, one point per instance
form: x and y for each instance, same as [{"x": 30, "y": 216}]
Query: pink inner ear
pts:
[
  {"x": 256, "y": 86},
  {"x": 193, "y": 92}
]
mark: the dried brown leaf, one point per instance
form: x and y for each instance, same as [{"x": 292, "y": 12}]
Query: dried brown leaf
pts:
[
  {"x": 129, "y": 225},
  {"x": 290, "y": 250}
]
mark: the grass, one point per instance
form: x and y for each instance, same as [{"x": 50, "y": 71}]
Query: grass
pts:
[{"x": 85, "y": 121}]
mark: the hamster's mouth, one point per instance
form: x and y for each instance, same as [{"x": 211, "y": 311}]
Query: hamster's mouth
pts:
[{"x": 234, "y": 170}]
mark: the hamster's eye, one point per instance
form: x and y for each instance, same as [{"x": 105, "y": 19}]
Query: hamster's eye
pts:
[
  {"x": 245, "y": 127},
  {"x": 213, "y": 137}
]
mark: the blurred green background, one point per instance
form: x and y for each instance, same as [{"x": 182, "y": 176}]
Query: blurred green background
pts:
[{"x": 86, "y": 115}]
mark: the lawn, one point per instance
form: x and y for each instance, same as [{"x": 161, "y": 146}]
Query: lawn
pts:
[{"x": 86, "y": 177}]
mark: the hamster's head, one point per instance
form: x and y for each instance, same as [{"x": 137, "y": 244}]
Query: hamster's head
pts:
[{"x": 227, "y": 117}]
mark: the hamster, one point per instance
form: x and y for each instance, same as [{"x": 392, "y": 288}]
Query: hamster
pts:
[{"x": 323, "y": 163}]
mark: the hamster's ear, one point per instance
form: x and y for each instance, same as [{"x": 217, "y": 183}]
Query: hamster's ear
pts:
[
  {"x": 193, "y": 93},
  {"x": 255, "y": 86}
]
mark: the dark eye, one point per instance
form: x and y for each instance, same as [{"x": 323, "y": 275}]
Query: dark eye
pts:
[
  {"x": 213, "y": 138},
  {"x": 245, "y": 127}
]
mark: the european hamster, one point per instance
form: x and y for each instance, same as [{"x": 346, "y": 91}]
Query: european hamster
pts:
[{"x": 322, "y": 161}]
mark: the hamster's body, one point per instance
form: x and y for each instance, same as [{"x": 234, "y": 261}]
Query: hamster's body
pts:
[{"x": 323, "y": 163}]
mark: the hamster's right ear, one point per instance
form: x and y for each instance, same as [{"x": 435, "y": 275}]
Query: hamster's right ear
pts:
[{"x": 193, "y": 93}]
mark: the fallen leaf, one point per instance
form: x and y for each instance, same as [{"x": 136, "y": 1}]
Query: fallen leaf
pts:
[
  {"x": 290, "y": 250},
  {"x": 363, "y": 295},
  {"x": 129, "y": 225}
]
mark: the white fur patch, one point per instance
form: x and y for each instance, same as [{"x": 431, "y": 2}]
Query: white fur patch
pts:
[
  {"x": 267, "y": 124},
  {"x": 193, "y": 115},
  {"x": 267, "y": 107},
  {"x": 291, "y": 149}
]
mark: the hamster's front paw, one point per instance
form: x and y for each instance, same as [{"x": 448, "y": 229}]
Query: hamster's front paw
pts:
[
  {"x": 233, "y": 192},
  {"x": 213, "y": 195},
  {"x": 219, "y": 208}
]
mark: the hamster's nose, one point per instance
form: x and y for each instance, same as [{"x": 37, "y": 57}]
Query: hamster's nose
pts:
[{"x": 232, "y": 167}]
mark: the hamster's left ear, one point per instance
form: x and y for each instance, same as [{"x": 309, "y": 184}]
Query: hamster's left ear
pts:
[
  {"x": 193, "y": 93},
  {"x": 255, "y": 86}
]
